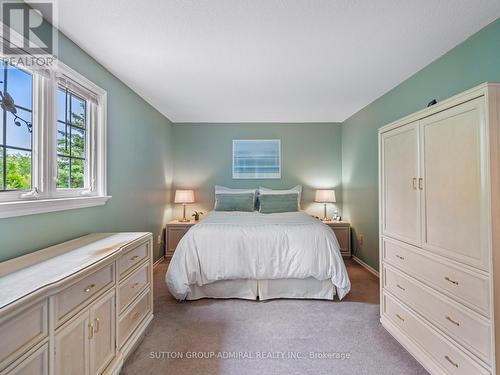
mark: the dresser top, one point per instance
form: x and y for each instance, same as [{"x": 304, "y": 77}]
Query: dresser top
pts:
[{"x": 22, "y": 276}]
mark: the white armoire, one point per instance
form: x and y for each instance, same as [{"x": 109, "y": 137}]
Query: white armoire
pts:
[{"x": 440, "y": 232}]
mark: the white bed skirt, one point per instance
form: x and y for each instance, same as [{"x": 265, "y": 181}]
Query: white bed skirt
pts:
[{"x": 309, "y": 288}]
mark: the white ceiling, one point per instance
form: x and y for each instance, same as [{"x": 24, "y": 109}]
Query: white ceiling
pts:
[{"x": 268, "y": 60}]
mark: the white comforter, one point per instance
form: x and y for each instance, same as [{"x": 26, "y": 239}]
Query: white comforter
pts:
[{"x": 250, "y": 245}]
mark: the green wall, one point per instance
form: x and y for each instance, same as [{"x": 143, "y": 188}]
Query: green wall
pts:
[
  {"x": 139, "y": 171},
  {"x": 475, "y": 61},
  {"x": 311, "y": 156}
]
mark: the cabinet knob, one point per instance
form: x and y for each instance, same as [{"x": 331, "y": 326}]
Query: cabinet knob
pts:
[
  {"x": 414, "y": 183},
  {"x": 97, "y": 325},
  {"x": 453, "y": 321},
  {"x": 454, "y": 282},
  {"x": 451, "y": 361},
  {"x": 89, "y": 288}
]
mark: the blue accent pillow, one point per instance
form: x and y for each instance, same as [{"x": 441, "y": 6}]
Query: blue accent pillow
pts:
[
  {"x": 234, "y": 202},
  {"x": 275, "y": 203}
]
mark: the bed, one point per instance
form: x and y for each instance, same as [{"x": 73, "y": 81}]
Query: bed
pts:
[{"x": 252, "y": 255}]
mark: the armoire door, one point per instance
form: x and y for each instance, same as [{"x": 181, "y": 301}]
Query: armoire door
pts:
[
  {"x": 455, "y": 190},
  {"x": 72, "y": 347},
  {"x": 102, "y": 345},
  {"x": 399, "y": 184}
]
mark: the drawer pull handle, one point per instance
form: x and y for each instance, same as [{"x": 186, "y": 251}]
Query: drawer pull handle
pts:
[
  {"x": 400, "y": 317},
  {"x": 451, "y": 281},
  {"x": 91, "y": 331},
  {"x": 134, "y": 257},
  {"x": 89, "y": 288},
  {"x": 414, "y": 181},
  {"x": 421, "y": 183},
  {"x": 97, "y": 324},
  {"x": 451, "y": 361},
  {"x": 453, "y": 321},
  {"x": 400, "y": 257},
  {"x": 400, "y": 287}
]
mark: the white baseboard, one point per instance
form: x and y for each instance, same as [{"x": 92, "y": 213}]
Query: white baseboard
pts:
[
  {"x": 158, "y": 261},
  {"x": 364, "y": 265}
]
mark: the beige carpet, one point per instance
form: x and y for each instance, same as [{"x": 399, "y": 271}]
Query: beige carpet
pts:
[{"x": 273, "y": 337}]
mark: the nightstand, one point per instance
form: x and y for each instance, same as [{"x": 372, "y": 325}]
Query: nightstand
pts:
[
  {"x": 174, "y": 232},
  {"x": 342, "y": 230}
]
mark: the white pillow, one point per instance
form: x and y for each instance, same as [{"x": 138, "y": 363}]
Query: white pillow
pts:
[
  {"x": 296, "y": 189},
  {"x": 225, "y": 190}
]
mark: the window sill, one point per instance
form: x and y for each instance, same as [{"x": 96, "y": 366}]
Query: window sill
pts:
[{"x": 31, "y": 207}]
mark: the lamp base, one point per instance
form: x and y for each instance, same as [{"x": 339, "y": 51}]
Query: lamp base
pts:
[
  {"x": 184, "y": 219},
  {"x": 325, "y": 218}
]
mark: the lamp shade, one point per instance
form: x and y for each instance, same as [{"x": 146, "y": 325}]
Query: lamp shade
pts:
[
  {"x": 325, "y": 196},
  {"x": 184, "y": 196}
]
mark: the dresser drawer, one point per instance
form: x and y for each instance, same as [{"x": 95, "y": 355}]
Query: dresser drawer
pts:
[
  {"x": 132, "y": 318},
  {"x": 21, "y": 331},
  {"x": 36, "y": 363},
  {"x": 444, "y": 353},
  {"x": 468, "y": 287},
  {"x": 132, "y": 286},
  {"x": 465, "y": 326},
  {"x": 132, "y": 258},
  {"x": 80, "y": 293},
  {"x": 343, "y": 235}
]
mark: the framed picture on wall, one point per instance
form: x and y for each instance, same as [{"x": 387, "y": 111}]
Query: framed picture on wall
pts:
[{"x": 256, "y": 158}]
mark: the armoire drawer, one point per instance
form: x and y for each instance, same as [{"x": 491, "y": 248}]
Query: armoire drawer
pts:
[
  {"x": 132, "y": 318},
  {"x": 470, "y": 288},
  {"x": 445, "y": 354},
  {"x": 36, "y": 363},
  {"x": 81, "y": 292},
  {"x": 464, "y": 325},
  {"x": 132, "y": 258},
  {"x": 133, "y": 286},
  {"x": 22, "y": 331}
]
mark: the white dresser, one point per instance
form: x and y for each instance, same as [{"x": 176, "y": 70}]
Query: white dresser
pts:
[
  {"x": 76, "y": 308},
  {"x": 440, "y": 232}
]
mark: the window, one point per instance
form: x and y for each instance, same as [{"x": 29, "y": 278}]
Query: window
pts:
[
  {"x": 16, "y": 130},
  {"x": 71, "y": 140},
  {"x": 256, "y": 159},
  {"x": 52, "y": 141}
]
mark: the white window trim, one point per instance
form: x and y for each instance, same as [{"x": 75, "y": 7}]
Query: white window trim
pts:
[{"x": 44, "y": 197}]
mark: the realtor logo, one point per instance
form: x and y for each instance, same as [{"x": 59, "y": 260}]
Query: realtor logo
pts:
[{"x": 28, "y": 28}]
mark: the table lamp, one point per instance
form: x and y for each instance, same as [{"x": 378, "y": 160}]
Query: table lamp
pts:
[
  {"x": 325, "y": 196},
  {"x": 184, "y": 197}
]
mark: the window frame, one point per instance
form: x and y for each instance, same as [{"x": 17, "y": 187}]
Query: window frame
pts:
[
  {"x": 44, "y": 195},
  {"x": 12, "y": 195},
  {"x": 88, "y": 157}
]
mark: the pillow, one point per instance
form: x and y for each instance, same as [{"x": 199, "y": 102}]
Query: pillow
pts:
[
  {"x": 295, "y": 190},
  {"x": 235, "y": 202},
  {"x": 275, "y": 203},
  {"x": 225, "y": 190}
]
